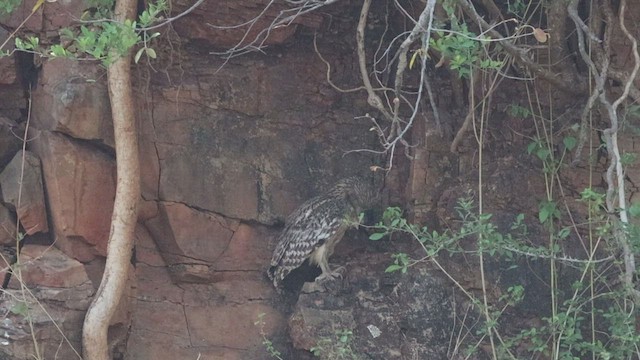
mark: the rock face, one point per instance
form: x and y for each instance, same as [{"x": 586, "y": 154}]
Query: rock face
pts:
[
  {"x": 7, "y": 227},
  {"x": 9, "y": 140},
  {"x": 80, "y": 184},
  {"x": 227, "y": 152},
  {"x": 229, "y": 13},
  {"x": 214, "y": 319},
  {"x": 60, "y": 293},
  {"x": 228, "y": 148},
  {"x": 21, "y": 182},
  {"x": 72, "y": 99},
  {"x": 390, "y": 316}
]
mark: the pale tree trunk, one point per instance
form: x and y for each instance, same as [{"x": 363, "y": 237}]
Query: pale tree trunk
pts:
[{"x": 125, "y": 208}]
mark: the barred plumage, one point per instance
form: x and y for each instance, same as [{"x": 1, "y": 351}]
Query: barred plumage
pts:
[{"x": 313, "y": 230}]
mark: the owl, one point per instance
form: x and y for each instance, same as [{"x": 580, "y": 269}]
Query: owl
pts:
[{"x": 313, "y": 230}]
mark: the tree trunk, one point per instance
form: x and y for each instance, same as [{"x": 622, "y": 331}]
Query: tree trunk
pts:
[{"x": 125, "y": 209}]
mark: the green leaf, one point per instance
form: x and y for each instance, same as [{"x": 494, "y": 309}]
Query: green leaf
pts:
[
  {"x": 543, "y": 214},
  {"x": 569, "y": 142},
  {"x": 413, "y": 59},
  {"x": 564, "y": 233},
  {"x": 543, "y": 153},
  {"x": 377, "y": 236},
  {"x": 394, "y": 267},
  {"x": 19, "y": 44},
  {"x": 65, "y": 33},
  {"x": 138, "y": 55},
  {"x": 20, "y": 308},
  {"x": 634, "y": 209}
]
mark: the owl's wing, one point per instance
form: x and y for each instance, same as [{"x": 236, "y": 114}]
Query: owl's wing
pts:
[{"x": 306, "y": 229}]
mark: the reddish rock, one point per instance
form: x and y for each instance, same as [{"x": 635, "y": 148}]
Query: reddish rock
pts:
[
  {"x": 8, "y": 69},
  {"x": 149, "y": 172},
  {"x": 190, "y": 240},
  {"x": 164, "y": 317},
  {"x": 13, "y": 103},
  {"x": 231, "y": 129},
  {"x": 198, "y": 23},
  {"x": 62, "y": 339},
  {"x": 10, "y": 141},
  {"x": 22, "y": 12},
  {"x": 8, "y": 66},
  {"x": 230, "y": 325},
  {"x": 71, "y": 99},
  {"x": 21, "y": 182},
  {"x": 7, "y": 227},
  {"x": 60, "y": 14},
  {"x": 199, "y": 235},
  {"x": 7, "y": 256},
  {"x": 146, "y": 250},
  {"x": 47, "y": 266},
  {"x": 59, "y": 294},
  {"x": 235, "y": 183},
  {"x": 153, "y": 345},
  {"x": 153, "y": 279},
  {"x": 247, "y": 250},
  {"x": 376, "y": 307},
  {"x": 80, "y": 183},
  {"x": 49, "y": 16},
  {"x": 180, "y": 321}
]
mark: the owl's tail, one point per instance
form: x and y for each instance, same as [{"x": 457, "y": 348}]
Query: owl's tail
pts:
[{"x": 275, "y": 275}]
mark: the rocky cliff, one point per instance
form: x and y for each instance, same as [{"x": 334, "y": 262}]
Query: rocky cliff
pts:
[{"x": 229, "y": 147}]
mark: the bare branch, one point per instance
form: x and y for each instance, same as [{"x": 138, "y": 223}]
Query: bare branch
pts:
[
  {"x": 373, "y": 99},
  {"x": 610, "y": 135},
  {"x": 284, "y": 18},
  {"x": 520, "y": 55},
  {"x": 334, "y": 86}
]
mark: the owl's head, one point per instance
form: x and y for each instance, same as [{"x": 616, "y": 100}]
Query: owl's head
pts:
[{"x": 359, "y": 192}]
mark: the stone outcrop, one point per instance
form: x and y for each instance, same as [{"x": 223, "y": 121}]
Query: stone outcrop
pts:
[
  {"x": 216, "y": 23},
  {"x": 59, "y": 292},
  {"x": 214, "y": 319},
  {"x": 228, "y": 149},
  {"x": 71, "y": 98},
  {"x": 389, "y": 316},
  {"x": 226, "y": 153},
  {"x": 10, "y": 141},
  {"x": 80, "y": 185},
  {"x": 7, "y": 227},
  {"x": 21, "y": 183}
]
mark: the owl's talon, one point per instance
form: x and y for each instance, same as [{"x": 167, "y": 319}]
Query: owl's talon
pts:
[
  {"x": 325, "y": 277},
  {"x": 331, "y": 274}
]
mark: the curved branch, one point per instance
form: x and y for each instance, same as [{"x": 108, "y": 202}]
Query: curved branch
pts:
[
  {"x": 125, "y": 207},
  {"x": 373, "y": 99},
  {"x": 519, "y": 54}
]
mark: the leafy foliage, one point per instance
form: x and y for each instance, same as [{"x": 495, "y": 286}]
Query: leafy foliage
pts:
[
  {"x": 8, "y": 6},
  {"x": 618, "y": 337},
  {"x": 102, "y": 39},
  {"x": 268, "y": 344}
]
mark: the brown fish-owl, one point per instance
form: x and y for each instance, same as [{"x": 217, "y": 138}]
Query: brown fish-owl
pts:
[{"x": 313, "y": 229}]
